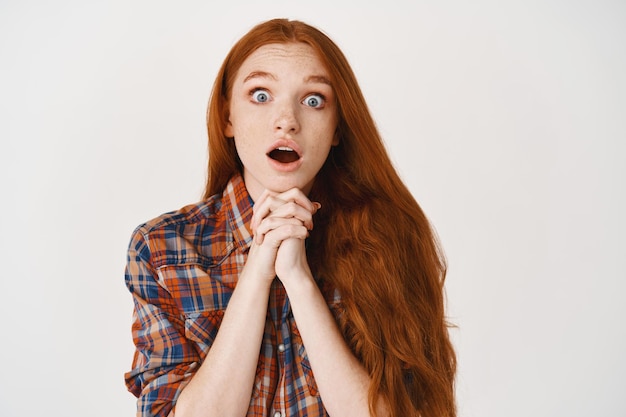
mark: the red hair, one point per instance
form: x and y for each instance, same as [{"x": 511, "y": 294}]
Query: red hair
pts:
[{"x": 371, "y": 240}]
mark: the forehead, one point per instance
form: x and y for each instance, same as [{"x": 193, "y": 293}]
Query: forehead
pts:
[{"x": 278, "y": 56}]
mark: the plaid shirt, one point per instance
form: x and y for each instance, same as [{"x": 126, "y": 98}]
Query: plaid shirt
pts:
[{"x": 182, "y": 269}]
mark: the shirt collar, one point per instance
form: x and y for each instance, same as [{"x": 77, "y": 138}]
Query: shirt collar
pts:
[{"x": 238, "y": 205}]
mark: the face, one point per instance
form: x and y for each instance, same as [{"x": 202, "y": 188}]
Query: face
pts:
[{"x": 283, "y": 117}]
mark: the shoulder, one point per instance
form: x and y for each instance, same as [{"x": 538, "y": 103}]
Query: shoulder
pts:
[
  {"x": 202, "y": 233},
  {"x": 187, "y": 217},
  {"x": 183, "y": 235}
]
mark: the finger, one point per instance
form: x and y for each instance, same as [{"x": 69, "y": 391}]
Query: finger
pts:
[
  {"x": 264, "y": 206},
  {"x": 277, "y": 236},
  {"x": 260, "y": 209},
  {"x": 292, "y": 210},
  {"x": 270, "y": 224},
  {"x": 270, "y": 202},
  {"x": 297, "y": 196}
]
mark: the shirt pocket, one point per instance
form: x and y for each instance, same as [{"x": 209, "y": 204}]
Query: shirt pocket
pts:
[
  {"x": 201, "y": 329},
  {"x": 196, "y": 289}
]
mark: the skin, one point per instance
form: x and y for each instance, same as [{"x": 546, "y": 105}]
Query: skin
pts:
[
  {"x": 271, "y": 103},
  {"x": 282, "y": 95}
]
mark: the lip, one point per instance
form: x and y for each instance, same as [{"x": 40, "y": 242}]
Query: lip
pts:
[{"x": 281, "y": 166}]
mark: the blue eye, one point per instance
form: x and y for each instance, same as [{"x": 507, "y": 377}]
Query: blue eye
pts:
[
  {"x": 260, "y": 96},
  {"x": 314, "y": 100}
]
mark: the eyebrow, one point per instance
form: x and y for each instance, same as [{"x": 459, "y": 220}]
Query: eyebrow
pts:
[
  {"x": 310, "y": 79},
  {"x": 259, "y": 74},
  {"x": 318, "y": 79}
]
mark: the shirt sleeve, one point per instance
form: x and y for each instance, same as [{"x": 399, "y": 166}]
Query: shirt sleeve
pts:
[{"x": 164, "y": 360}]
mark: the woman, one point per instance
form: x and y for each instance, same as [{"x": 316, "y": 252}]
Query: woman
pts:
[{"x": 308, "y": 282}]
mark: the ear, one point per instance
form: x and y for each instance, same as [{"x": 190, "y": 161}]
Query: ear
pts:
[
  {"x": 336, "y": 137},
  {"x": 228, "y": 129},
  {"x": 228, "y": 126}
]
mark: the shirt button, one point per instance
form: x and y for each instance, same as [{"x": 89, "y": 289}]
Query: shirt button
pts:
[
  {"x": 281, "y": 349},
  {"x": 278, "y": 414}
]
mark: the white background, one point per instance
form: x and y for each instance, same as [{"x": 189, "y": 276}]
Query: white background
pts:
[{"x": 506, "y": 119}]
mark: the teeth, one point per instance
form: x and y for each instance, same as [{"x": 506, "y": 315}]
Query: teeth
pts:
[{"x": 285, "y": 148}]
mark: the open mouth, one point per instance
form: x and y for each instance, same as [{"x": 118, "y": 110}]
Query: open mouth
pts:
[{"x": 284, "y": 154}]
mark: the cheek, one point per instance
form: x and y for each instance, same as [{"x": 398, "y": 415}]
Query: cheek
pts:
[
  {"x": 247, "y": 126},
  {"x": 328, "y": 127},
  {"x": 242, "y": 146},
  {"x": 327, "y": 135},
  {"x": 322, "y": 147},
  {"x": 246, "y": 143}
]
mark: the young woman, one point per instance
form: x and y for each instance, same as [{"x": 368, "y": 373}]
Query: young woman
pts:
[{"x": 308, "y": 282}]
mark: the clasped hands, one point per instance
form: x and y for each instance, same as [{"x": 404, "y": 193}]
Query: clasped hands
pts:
[{"x": 280, "y": 223}]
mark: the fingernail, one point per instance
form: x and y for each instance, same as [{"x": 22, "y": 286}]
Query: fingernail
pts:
[{"x": 317, "y": 205}]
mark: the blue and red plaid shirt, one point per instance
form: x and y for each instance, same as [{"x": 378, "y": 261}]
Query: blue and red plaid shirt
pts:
[{"x": 182, "y": 269}]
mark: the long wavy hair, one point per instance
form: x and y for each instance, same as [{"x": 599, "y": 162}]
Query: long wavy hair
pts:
[{"x": 371, "y": 240}]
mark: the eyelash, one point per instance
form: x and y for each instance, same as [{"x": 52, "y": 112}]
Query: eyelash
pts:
[
  {"x": 322, "y": 98},
  {"x": 256, "y": 90},
  {"x": 253, "y": 91}
]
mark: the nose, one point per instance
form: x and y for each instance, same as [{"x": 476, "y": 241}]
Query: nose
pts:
[{"x": 286, "y": 120}]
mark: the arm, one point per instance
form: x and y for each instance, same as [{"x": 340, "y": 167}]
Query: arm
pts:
[
  {"x": 166, "y": 367},
  {"x": 216, "y": 389},
  {"x": 163, "y": 359},
  {"x": 342, "y": 380}
]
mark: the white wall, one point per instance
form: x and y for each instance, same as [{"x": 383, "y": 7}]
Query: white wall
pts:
[{"x": 507, "y": 120}]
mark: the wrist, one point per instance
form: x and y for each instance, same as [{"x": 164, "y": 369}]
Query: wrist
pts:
[
  {"x": 253, "y": 282},
  {"x": 300, "y": 284}
]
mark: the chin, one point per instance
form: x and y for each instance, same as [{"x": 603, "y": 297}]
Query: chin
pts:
[{"x": 286, "y": 184}]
